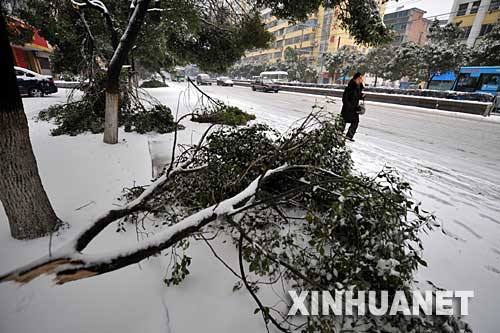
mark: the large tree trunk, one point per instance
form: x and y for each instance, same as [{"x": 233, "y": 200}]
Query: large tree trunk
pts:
[
  {"x": 115, "y": 65},
  {"x": 21, "y": 191}
]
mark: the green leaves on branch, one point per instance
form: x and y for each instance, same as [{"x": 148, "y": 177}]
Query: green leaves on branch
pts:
[
  {"x": 487, "y": 50},
  {"x": 86, "y": 114},
  {"x": 223, "y": 114},
  {"x": 153, "y": 84},
  {"x": 318, "y": 226},
  {"x": 443, "y": 52}
]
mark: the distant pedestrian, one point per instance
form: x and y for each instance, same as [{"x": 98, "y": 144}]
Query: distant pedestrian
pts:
[{"x": 350, "y": 104}]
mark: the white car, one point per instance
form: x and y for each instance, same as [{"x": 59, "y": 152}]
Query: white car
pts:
[{"x": 224, "y": 81}]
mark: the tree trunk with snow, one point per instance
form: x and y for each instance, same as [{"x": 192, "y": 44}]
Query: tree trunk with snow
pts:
[
  {"x": 22, "y": 194},
  {"x": 111, "y": 117},
  {"x": 429, "y": 80},
  {"x": 115, "y": 66}
]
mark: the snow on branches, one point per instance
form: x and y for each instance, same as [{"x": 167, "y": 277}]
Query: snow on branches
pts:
[
  {"x": 92, "y": 3},
  {"x": 297, "y": 213}
]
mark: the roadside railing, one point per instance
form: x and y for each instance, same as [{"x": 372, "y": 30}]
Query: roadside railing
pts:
[{"x": 483, "y": 106}]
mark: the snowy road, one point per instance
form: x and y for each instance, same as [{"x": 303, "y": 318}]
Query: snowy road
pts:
[{"x": 453, "y": 163}]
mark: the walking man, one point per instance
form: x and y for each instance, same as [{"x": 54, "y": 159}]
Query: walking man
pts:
[{"x": 350, "y": 104}]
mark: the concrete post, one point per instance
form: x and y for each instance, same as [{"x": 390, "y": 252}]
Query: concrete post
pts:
[
  {"x": 478, "y": 21},
  {"x": 454, "y": 10}
]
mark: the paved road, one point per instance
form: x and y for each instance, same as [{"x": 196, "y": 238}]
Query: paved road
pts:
[
  {"x": 453, "y": 163},
  {"x": 468, "y": 144}
]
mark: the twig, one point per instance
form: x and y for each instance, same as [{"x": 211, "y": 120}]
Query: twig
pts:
[
  {"x": 264, "y": 310},
  {"x": 203, "y": 93},
  {"x": 86, "y": 205},
  {"x": 219, "y": 258}
]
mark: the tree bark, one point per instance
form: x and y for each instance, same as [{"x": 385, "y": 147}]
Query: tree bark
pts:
[
  {"x": 115, "y": 65},
  {"x": 24, "y": 199}
]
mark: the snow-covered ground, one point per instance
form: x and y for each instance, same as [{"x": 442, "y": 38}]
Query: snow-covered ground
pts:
[{"x": 451, "y": 160}]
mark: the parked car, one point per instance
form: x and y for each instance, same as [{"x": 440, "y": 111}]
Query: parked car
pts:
[
  {"x": 224, "y": 81},
  {"x": 34, "y": 84},
  {"x": 265, "y": 85},
  {"x": 203, "y": 79},
  {"x": 179, "y": 78}
]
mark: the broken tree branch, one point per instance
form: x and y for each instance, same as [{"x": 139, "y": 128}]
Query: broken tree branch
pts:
[{"x": 69, "y": 264}]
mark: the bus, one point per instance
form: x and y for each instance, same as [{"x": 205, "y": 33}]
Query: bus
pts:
[
  {"x": 275, "y": 76},
  {"x": 480, "y": 80}
]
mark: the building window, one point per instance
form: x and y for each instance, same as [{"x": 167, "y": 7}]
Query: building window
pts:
[
  {"x": 305, "y": 50},
  {"x": 398, "y": 39},
  {"x": 307, "y": 37},
  {"x": 399, "y": 27},
  {"x": 475, "y": 7},
  {"x": 466, "y": 32},
  {"x": 485, "y": 29},
  {"x": 495, "y": 5},
  {"x": 298, "y": 39},
  {"x": 292, "y": 41},
  {"x": 462, "y": 9},
  {"x": 292, "y": 29}
]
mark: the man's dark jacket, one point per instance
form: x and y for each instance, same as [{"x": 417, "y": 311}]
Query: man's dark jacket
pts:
[{"x": 350, "y": 102}]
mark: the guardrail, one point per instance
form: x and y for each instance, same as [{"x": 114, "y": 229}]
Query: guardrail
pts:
[
  {"x": 471, "y": 107},
  {"x": 67, "y": 84},
  {"x": 462, "y": 106}
]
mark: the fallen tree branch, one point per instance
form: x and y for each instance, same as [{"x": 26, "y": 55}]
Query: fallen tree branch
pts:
[
  {"x": 69, "y": 264},
  {"x": 203, "y": 93}
]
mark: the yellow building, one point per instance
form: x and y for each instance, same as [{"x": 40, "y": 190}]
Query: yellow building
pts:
[
  {"x": 476, "y": 17},
  {"x": 320, "y": 34}
]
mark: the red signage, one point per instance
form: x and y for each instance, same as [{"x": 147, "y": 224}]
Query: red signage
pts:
[{"x": 38, "y": 41}]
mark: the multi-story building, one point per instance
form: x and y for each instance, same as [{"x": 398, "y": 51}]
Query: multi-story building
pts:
[
  {"x": 408, "y": 25},
  {"x": 476, "y": 17},
  {"x": 297, "y": 36},
  {"x": 313, "y": 38},
  {"x": 33, "y": 55}
]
